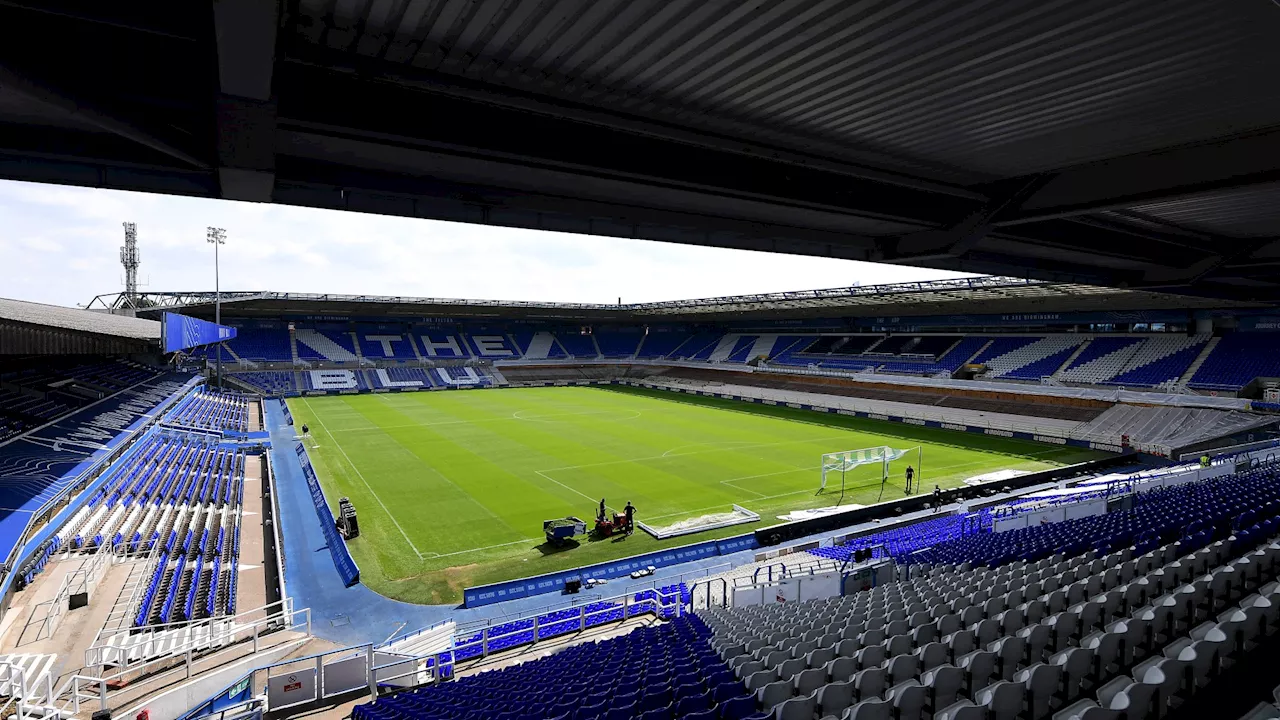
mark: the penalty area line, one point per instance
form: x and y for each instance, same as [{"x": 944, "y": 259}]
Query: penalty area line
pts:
[{"x": 436, "y": 556}]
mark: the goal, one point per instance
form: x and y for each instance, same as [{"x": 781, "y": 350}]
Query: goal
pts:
[{"x": 868, "y": 466}]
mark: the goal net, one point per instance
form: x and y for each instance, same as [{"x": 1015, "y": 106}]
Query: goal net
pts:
[{"x": 868, "y": 466}]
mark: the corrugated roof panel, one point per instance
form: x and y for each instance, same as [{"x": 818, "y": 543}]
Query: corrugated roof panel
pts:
[
  {"x": 987, "y": 86},
  {"x": 81, "y": 320},
  {"x": 1251, "y": 212}
]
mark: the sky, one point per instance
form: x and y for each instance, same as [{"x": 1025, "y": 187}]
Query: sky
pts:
[{"x": 61, "y": 245}]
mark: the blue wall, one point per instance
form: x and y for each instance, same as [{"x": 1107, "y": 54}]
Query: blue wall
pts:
[
  {"x": 554, "y": 582},
  {"x": 337, "y": 546}
]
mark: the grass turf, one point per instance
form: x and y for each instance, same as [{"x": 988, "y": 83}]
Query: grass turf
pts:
[{"x": 452, "y": 487}]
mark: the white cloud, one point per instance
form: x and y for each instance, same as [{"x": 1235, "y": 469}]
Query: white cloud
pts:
[{"x": 61, "y": 245}]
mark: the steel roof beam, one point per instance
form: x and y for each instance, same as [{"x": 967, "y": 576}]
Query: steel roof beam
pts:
[
  {"x": 245, "y": 111},
  {"x": 1132, "y": 180}
]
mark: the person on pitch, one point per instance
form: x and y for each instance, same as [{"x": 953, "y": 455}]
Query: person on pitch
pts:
[
  {"x": 911, "y": 473},
  {"x": 600, "y": 513},
  {"x": 630, "y": 510},
  {"x": 937, "y": 498}
]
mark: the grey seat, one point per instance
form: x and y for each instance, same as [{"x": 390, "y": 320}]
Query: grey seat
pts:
[
  {"x": 799, "y": 708},
  {"x": 979, "y": 667},
  {"x": 871, "y": 656},
  {"x": 1009, "y": 652},
  {"x": 943, "y": 684},
  {"x": 908, "y": 699},
  {"x": 961, "y": 710},
  {"x": 932, "y": 655},
  {"x": 808, "y": 681},
  {"x": 902, "y": 667},
  {"x": 1036, "y": 640},
  {"x": 960, "y": 643},
  {"x": 820, "y": 657},
  {"x": 841, "y": 669},
  {"x": 1165, "y": 674},
  {"x": 1134, "y": 700},
  {"x": 1002, "y": 699},
  {"x": 870, "y": 709},
  {"x": 869, "y": 683},
  {"x": 1086, "y": 710},
  {"x": 773, "y": 694},
  {"x": 1076, "y": 664},
  {"x": 1040, "y": 681},
  {"x": 1106, "y": 652},
  {"x": 834, "y": 697},
  {"x": 759, "y": 679}
]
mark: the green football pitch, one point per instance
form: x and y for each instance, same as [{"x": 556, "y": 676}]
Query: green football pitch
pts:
[{"x": 452, "y": 487}]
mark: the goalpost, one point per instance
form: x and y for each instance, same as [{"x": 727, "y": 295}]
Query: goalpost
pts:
[{"x": 878, "y": 458}]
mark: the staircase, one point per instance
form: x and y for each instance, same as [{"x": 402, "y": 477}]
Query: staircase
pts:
[
  {"x": 1071, "y": 358},
  {"x": 539, "y": 346},
  {"x": 32, "y": 673},
  {"x": 981, "y": 350},
  {"x": 293, "y": 346},
  {"x": 636, "y": 354},
  {"x": 724, "y": 348},
  {"x": 355, "y": 343},
  {"x": 1181, "y": 385}
]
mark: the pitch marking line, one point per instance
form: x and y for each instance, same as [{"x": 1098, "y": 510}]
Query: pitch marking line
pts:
[
  {"x": 360, "y": 475},
  {"x": 514, "y": 416},
  {"x": 436, "y": 556},
  {"x": 698, "y": 452},
  {"x": 566, "y": 487},
  {"x": 542, "y": 418},
  {"x": 734, "y": 443}
]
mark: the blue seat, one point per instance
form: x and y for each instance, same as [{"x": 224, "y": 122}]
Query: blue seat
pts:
[
  {"x": 622, "y": 712},
  {"x": 589, "y": 712},
  {"x": 663, "y": 713},
  {"x": 738, "y": 708},
  {"x": 727, "y": 691},
  {"x": 704, "y": 715},
  {"x": 692, "y": 704},
  {"x": 655, "y": 700},
  {"x": 688, "y": 689}
]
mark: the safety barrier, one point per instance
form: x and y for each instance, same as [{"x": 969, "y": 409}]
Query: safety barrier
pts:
[
  {"x": 555, "y": 582},
  {"x": 346, "y": 566}
]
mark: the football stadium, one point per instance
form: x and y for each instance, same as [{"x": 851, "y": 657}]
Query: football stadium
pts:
[{"x": 1047, "y": 488}]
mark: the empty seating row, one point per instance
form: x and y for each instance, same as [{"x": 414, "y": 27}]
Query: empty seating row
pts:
[{"x": 212, "y": 411}]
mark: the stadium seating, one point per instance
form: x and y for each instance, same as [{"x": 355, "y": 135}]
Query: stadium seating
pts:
[
  {"x": 385, "y": 345},
  {"x": 618, "y": 344},
  {"x": 403, "y": 377},
  {"x": 492, "y": 345},
  {"x": 38, "y": 392},
  {"x": 180, "y": 492},
  {"x": 655, "y": 672},
  {"x": 1102, "y": 358},
  {"x": 212, "y": 411},
  {"x": 262, "y": 345},
  {"x": 537, "y": 345},
  {"x": 578, "y": 345},
  {"x": 326, "y": 345},
  {"x": 1237, "y": 360},
  {"x": 270, "y": 382},
  {"x": 1120, "y": 615},
  {"x": 660, "y": 344},
  {"x": 1030, "y": 360}
]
